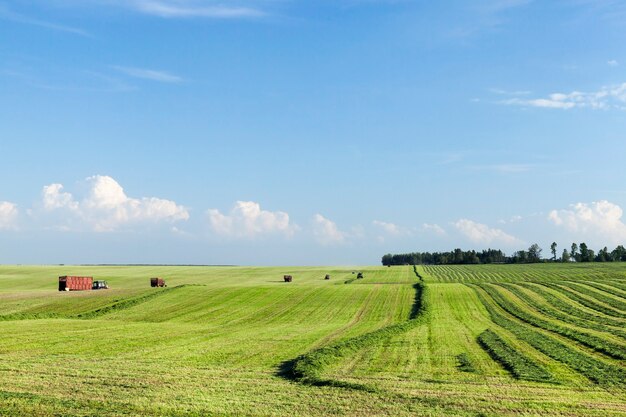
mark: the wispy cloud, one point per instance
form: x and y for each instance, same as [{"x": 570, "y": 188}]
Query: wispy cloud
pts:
[
  {"x": 148, "y": 74},
  {"x": 486, "y": 15},
  {"x": 607, "y": 97},
  {"x": 504, "y": 168},
  {"x": 188, "y": 9},
  {"x": 177, "y": 9},
  {"x": 613, "y": 63},
  {"x": 7, "y": 14}
]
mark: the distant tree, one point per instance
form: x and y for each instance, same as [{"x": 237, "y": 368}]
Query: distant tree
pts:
[
  {"x": 603, "y": 255},
  {"x": 619, "y": 254},
  {"x": 574, "y": 252},
  {"x": 565, "y": 256},
  {"x": 553, "y": 250},
  {"x": 534, "y": 253},
  {"x": 585, "y": 254}
]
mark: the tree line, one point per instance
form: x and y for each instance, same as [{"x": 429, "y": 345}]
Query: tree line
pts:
[{"x": 576, "y": 253}]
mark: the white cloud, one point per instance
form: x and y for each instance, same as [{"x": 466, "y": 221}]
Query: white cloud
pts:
[
  {"x": 149, "y": 74},
  {"x": 601, "y": 220},
  {"x": 8, "y": 215},
  {"x": 247, "y": 220},
  {"x": 326, "y": 231},
  {"x": 389, "y": 228},
  {"x": 182, "y": 9},
  {"x": 434, "y": 228},
  {"x": 607, "y": 97},
  {"x": 6, "y": 13},
  {"x": 213, "y": 9},
  {"x": 106, "y": 206},
  {"x": 612, "y": 63},
  {"x": 483, "y": 234}
]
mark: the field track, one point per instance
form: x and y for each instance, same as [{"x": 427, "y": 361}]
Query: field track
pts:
[{"x": 490, "y": 340}]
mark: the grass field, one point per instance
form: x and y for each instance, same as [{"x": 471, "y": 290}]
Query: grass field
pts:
[{"x": 490, "y": 340}]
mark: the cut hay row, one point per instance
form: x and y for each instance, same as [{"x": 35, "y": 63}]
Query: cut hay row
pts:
[
  {"x": 587, "y": 302},
  {"x": 616, "y": 303},
  {"x": 600, "y": 372},
  {"x": 596, "y": 343},
  {"x": 571, "y": 307},
  {"x": 557, "y": 314},
  {"x": 520, "y": 366}
]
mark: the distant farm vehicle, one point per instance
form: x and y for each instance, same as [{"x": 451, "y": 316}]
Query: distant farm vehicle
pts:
[
  {"x": 100, "y": 285},
  {"x": 359, "y": 275},
  {"x": 157, "y": 282},
  {"x": 327, "y": 276},
  {"x": 288, "y": 278},
  {"x": 72, "y": 283}
]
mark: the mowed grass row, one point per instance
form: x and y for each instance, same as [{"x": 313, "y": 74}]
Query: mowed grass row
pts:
[
  {"x": 519, "y": 365},
  {"x": 598, "y": 371},
  {"x": 594, "y": 342},
  {"x": 585, "y": 300},
  {"x": 549, "y": 312},
  {"x": 571, "y": 307},
  {"x": 526, "y": 272}
]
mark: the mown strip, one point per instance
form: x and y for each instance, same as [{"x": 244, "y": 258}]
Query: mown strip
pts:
[
  {"x": 520, "y": 366},
  {"x": 597, "y": 371},
  {"x": 571, "y": 309},
  {"x": 615, "y": 303},
  {"x": 596, "y": 343},
  {"x": 605, "y": 287},
  {"x": 126, "y": 303},
  {"x": 584, "y": 301},
  {"x": 116, "y": 306},
  {"x": 308, "y": 368},
  {"x": 566, "y": 318}
]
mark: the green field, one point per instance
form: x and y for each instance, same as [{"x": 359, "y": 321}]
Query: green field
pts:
[{"x": 488, "y": 340}]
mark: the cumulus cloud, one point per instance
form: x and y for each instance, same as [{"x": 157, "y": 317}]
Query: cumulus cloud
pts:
[
  {"x": 433, "y": 228},
  {"x": 247, "y": 220},
  {"x": 106, "y": 206},
  {"x": 326, "y": 231},
  {"x": 389, "y": 228},
  {"x": 8, "y": 215},
  {"x": 483, "y": 234},
  {"x": 607, "y": 97},
  {"x": 601, "y": 219}
]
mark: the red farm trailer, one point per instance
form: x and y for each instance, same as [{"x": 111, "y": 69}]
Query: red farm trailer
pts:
[
  {"x": 70, "y": 283},
  {"x": 157, "y": 282}
]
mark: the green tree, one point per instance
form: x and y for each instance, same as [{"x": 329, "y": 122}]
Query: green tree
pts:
[
  {"x": 584, "y": 253},
  {"x": 553, "y": 250},
  {"x": 619, "y": 254},
  {"x": 534, "y": 253},
  {"x": 565, "y": 257},
  {"x": 574, "y": 252}
]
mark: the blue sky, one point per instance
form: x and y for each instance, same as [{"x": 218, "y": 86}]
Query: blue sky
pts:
[{"x": 291, "y": 132}]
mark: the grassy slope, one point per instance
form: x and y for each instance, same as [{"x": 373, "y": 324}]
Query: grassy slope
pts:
[{"x": 217, "y": 347}]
